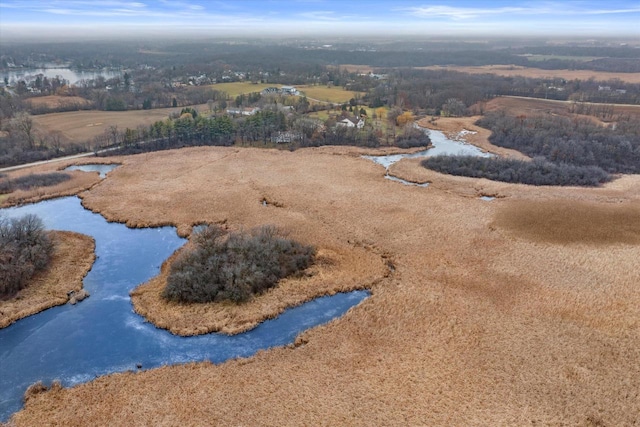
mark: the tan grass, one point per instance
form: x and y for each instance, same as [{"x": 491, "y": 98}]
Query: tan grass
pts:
[
  {"x": 515, "y": 106},
  {"x": 517, "y": 70},
  {"x": 234, "y": 89},
  {"x": 480, "y": 324},
  {"x": 73, "y": 257},
  {"x": 82, "y": 126},
  {"x": 329, "y": 94},
  {"x": 79, "y": 181},
  {"x": 56, "y": 101}
]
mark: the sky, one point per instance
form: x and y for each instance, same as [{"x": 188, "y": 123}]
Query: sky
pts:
[{"x": 255, "y": 18}]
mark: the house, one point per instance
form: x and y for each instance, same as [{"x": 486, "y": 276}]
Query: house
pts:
[
  {"x": 270, "y": 91},
  {"x": 249, "y": 111},
  {"x": 286, "y": 137},
  {"x": 351, "y": 122},
  {"x": 289, "y": 90}
]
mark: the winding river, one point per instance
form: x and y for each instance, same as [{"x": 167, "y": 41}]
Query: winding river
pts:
[{"x": 102, "y": 334}]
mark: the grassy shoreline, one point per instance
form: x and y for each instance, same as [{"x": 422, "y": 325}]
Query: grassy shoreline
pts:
[{"x": 73, "y": 258}]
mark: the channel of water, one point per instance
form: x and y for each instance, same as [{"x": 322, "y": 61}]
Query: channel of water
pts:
[
  {"x": 442, "y": 146},
  {"x": 102, "y": 169},
  {"x": 103, "y": 335}
]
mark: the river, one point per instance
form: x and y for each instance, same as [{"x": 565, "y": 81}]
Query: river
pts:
[{"x": 102, "y": 334}]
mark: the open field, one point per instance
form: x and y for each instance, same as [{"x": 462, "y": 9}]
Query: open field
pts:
[
  {"x": 55, "y": 101},
  {"x": 515, "y": 106},
  {"x": 536, "y": 57},
  {"x": 82, "y": 126},
  {"x": 234, "y": 89},
  {"x": 484, "y": 321},
  {"x": 71, "y": 261},
  {"x": 516, "y": 70},
  {"x": 329, "y": 94}
]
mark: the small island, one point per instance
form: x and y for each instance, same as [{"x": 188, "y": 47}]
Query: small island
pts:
[{"x": 41, "y": 269}]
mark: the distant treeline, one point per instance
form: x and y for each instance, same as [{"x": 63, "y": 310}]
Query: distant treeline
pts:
[
  {"x": 430, "y": 89},
  {"x": 283, "y": 53}
]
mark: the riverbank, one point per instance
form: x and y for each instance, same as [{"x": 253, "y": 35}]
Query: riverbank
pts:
[
  {"x": 484, "y": 314},
  {"x": 73, "y": 257},
  {"x": 80, "y": 181},
  {"x": 339, "y": 269}
]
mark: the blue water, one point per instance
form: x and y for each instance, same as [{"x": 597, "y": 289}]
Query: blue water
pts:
[
  {"x": 442, "y": 146},
  {"x": 102, "y": 334},
  {"x": 103, "y": 170}
]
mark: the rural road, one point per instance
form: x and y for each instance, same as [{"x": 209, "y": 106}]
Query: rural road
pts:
[{"x": 57, "y": 159}]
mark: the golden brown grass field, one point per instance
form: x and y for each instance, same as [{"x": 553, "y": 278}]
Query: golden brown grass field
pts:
[
  {"x": 531, "y": 106},
  {"x": 516, "y": 70},
  {"x": 328, "y": 94},
  {"x": 71, "y": 261},
  {"x": 82, "y": 126},
  {"x": 234, "y": 89},
  {"x": 520, "y": 311},
  {"x": 56, "y": 101}
]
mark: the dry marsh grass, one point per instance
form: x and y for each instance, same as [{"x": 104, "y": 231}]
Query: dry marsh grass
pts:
[
  {"x": 79, "y": 181},
  {"x": 71, "y": 261},
  {"x": 478, "y": 325},
  {"x": 560, "y": 221}
]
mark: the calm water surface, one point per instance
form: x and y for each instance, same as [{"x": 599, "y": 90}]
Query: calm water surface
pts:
[{"x": 102, "y": 334}]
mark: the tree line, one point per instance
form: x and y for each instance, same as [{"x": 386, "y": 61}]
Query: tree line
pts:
[{"x": 565, "y": 151}]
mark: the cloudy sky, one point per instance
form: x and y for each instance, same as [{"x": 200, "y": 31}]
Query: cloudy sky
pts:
[{"x": 310, "y": 17}]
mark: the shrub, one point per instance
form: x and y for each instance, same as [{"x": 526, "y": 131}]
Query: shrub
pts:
[
  {"x": 25, "y": 248},
  {"x": 536, "y": 172},
  {"x": 235, "y": 266},
  {"x": 32, "y": 181}
]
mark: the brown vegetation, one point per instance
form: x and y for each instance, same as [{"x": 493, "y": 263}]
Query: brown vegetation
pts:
[
  {"x": 56, "y": 101},
  {"x": 516, "y": 106},
  {"x": 71, "y": 261},
  {"x": 517, "y": 70},
  {"x": 483, "y": 322},
  {"x": 79, "y": 181},
  {"x": 82, "y": 126},
  {"x": 341, "y": 269}
]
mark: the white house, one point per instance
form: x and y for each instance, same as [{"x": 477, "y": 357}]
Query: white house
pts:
[
  {"x": 289, "y": 90},
  {"x": 351, "y": 122}
]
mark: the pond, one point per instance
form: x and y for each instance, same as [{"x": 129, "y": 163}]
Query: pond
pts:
[
  {"x": 103, "y": 170},
  {"x": 442, "y": 146},
  {"x": 102, "y": 334},
  {"x": 72, "y": 76}
]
